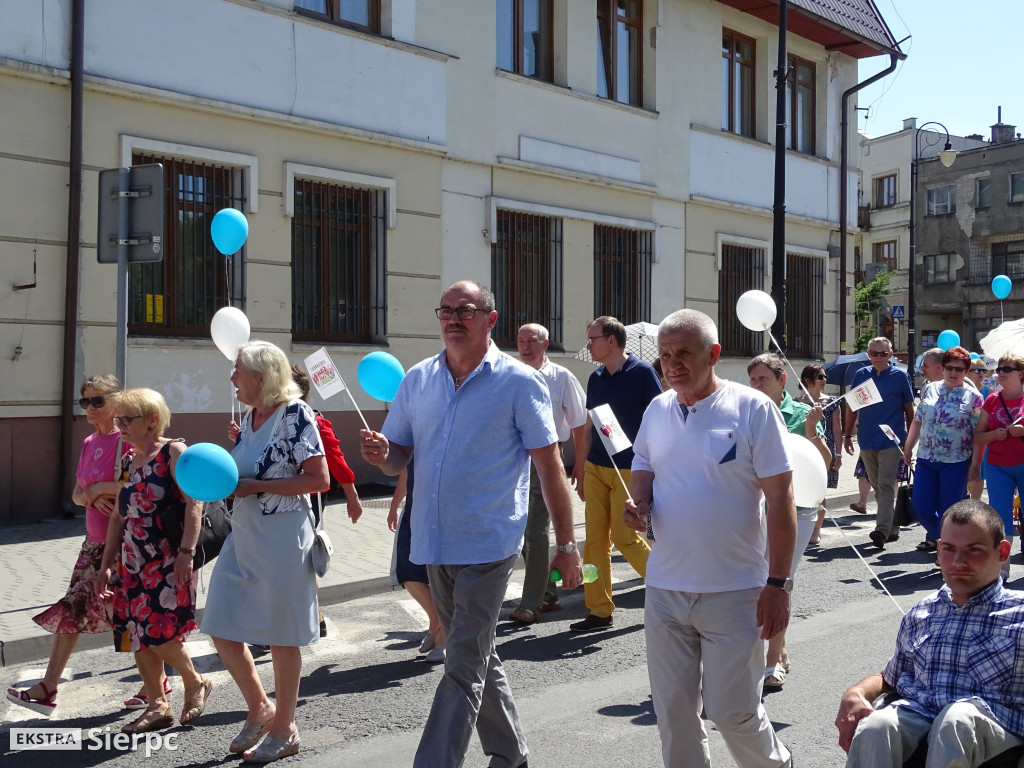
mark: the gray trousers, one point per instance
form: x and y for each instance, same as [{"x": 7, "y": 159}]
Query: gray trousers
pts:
[
  {"x": 474, "y": 691},
  {"x": 704, "y": 650},
  {"x": 882, "y": 467},
  {"x": 961, "y": 736},
  {"x": 537, "y": 585}
]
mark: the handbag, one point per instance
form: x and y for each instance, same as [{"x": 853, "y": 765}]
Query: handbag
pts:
[
  {"x": 903, "y": 513},
  {"x": 322, "y": 550},
  {"x": 214, "y": 527}
]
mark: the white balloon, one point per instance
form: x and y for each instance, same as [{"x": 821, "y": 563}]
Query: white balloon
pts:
[
  {"x": 756, "y": 310},
  {"x": 230, "y": 331},
  {"x": 810, "y": 478}
]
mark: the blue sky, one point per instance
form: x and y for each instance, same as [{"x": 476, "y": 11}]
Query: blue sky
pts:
[{"x": 963, "y": 61}]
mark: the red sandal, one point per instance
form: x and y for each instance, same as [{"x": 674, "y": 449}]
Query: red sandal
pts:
[
  {"x": 43, "y": 706},
  {"x": 141, "y": 700}
]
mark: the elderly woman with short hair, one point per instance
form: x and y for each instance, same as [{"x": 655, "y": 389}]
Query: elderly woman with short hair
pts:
[
  {"x": 263, "y": 589},
  {"x": 155, "y": 604}
]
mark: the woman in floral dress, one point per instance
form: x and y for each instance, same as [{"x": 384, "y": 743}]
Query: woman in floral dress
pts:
[
  {"x": 81, "y": 610},
  {"x": 155, "y": 605},
  {"x": 943, "y": 431}
]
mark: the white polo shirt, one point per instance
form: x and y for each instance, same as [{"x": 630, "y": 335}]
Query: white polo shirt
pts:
[
  {"x": 568, "y": 401},
  {"x": 707, "y": 521}
]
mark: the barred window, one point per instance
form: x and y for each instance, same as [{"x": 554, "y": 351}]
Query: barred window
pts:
[
  {"x": 805, "y": 309},
  {"x": 338, "y": 263},
  {"x": 1008, "y": 259},
  {"x": 622, "y": 273},
  {"x": 180, "y": 295},
  {"x": 526, "y": 275},
  {"x": 742, "y": 271}
]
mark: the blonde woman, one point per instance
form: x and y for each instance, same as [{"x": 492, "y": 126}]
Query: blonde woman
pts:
[
  {"x": 155, "y": 604},
  {"x": 263, "y": 590}
]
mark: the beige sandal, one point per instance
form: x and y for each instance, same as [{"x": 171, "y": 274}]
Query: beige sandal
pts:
[
  {"x": 153, "y": 719},
  {"x": 195, "y": 701}
]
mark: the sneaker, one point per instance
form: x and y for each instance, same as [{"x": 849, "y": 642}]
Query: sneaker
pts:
[
  {"x": 592, "y": 624},
  {"x": 878, "y": 539},
  {"x": 435, "y": 655},
  {"x": 428, "y": 643}
]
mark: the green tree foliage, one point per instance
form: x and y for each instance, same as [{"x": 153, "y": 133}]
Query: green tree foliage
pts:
[{"x": 867, "y": 300}]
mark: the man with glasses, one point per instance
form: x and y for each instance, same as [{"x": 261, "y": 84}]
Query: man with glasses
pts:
[
  {"x": 472, "y": 418},
  {"x": 881, "y": 456},
  {"x": 567, "y": 405},
  {"x": 628, "y": 385}
]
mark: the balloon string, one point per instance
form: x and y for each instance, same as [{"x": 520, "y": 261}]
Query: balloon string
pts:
[
  {"x": 786, "y": 361},
  {"x": 349, "y": 393},
  {"x": 856, "y": 551}
]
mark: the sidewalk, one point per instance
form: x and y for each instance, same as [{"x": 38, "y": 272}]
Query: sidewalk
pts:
[{"x": 36, "y": 561}]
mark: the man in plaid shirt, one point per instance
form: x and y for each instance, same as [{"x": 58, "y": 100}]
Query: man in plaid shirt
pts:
[{"x": 959, "y": 662}]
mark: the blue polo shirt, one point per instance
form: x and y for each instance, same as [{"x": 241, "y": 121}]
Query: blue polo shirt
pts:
[
  {"x": 628, "y": 391},
  {"x": 894, "y": 387},
  {"x": 471, "y": 461}
]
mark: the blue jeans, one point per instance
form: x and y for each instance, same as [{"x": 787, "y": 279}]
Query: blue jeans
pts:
[
  {"x": 937, "y": 487},
  {"x": 1002, "y": 482}
]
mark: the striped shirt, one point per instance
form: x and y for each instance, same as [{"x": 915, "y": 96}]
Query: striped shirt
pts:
[{"x": 975, "y": 653}]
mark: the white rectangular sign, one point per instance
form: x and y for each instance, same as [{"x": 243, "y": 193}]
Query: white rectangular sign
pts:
[{"x": 324, "y": 374}]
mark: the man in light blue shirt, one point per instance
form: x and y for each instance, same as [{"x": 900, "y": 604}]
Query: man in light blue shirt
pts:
[{"x": 475, "y": 417}]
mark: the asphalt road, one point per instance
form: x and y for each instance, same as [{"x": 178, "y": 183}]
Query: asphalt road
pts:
[{"x": 584, "y": 699}]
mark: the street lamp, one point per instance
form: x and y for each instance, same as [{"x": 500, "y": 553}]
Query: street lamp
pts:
[{"x": 946, "y": 156}]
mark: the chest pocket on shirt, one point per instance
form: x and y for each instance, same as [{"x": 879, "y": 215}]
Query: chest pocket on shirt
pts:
[
  {"x": 720, "y": 445},
  {"x": 991, "y": 661}
]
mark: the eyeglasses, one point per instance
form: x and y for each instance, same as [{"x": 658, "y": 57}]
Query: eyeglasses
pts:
[
  {"x": 878, "y": 353},
  {"x": 463, "y": 313},
  {"x": 125, "y": 421},
  {"x": 592, "y": 339},
  {"x": 1007, "y": 369},
  {"x": 95, "y": 402},
  {"x": 954, "y": 368},
  {"x": 979, "y": 370}
]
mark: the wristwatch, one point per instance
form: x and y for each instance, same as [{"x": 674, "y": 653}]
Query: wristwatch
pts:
[
  {"x": 567, "y": 549},
  {"x": 187, "y": 551},
  {"x": 786, "y": 585}
]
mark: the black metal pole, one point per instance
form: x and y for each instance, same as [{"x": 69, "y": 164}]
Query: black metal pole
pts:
[
  {"x": 779, "y": 208},
  {"x": 911, "y": 271}
]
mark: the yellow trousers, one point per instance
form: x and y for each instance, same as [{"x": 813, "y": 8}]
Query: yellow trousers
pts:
[{"x": 606, "y": 499}]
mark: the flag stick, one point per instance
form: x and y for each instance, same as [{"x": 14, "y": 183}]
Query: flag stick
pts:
[
  {"x": 795, "y": 374},
  {"x": 621, "y": 479},
  {"x": 349, "y": 393}
]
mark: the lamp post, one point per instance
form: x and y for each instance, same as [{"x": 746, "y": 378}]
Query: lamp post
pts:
[{"x": 946, "y": 156}]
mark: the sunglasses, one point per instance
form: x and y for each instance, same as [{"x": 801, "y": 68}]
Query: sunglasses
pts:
[
  {"x": 954, "y": 368},
  {"x": 1007, "y": 369},
  {"x": 125, "y": 421},
  {"x": 95, "y": 402},
  {"x": 979, "y": 370},
  {"x": 878, "y": 353},
  {"x": 821, "y": 377}
]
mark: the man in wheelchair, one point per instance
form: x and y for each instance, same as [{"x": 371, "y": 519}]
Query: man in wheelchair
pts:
[{"x": 958, "y": 670}]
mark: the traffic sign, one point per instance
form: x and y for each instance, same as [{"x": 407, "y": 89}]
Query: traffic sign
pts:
[
  {"x": 898, "y": 312},
  {"x": 143, "y": 233}
]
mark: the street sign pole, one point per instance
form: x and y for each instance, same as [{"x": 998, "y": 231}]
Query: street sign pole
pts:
[{"x": 124, "y": 176}]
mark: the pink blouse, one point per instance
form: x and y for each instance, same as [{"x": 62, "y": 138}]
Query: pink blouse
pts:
[{"x": 96, "y": 465}]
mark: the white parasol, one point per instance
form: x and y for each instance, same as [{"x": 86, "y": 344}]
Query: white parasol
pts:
[
  {"x": 641, "y": 340},
  {"x": 1005, "y": 339}
]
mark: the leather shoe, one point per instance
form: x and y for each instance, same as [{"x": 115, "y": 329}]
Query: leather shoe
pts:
[
  {"x": 592, "y": 624},
  {"x": 878, "y": 539}
]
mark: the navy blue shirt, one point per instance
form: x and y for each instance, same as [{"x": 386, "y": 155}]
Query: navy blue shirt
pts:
[
  {"x": 628, "y": 391},
  {"x": 894, "y": 387}
]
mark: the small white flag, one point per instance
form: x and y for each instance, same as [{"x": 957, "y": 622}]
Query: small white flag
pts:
[
  {"x": 864, "y": 395},
  {"x": 323, "y": 374},
  {"x": 889, "y": 433},
  {"x": 608, "y": 428}
]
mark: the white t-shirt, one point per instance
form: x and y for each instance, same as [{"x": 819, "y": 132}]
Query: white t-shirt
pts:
[
  {"x": 707, "y": 519},
  {"x": 568, "y": 401}
]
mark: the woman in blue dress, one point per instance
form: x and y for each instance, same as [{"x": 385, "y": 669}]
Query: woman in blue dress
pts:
[{"x": 263, "y": 590}]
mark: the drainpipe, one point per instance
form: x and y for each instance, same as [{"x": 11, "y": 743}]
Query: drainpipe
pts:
[
  {"x": 73, "y": 260},
  {"x": 843, "y": 194}
]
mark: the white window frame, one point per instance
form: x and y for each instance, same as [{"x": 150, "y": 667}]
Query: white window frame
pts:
[{"x": 932, "y": 205}]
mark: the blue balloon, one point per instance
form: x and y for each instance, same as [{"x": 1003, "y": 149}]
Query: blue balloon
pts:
[
  {"x": 975, "y": 356},
  {"x": 380, "y": 374},
  {"x": 948, "y": 339},
  {"x": 1001, "y": 286},
  {"x": 206, "y": 472},
  {"x": 229, "y": 229}
]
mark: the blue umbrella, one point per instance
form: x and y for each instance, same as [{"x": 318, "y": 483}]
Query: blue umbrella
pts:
[{"x": 841, "y": 370}]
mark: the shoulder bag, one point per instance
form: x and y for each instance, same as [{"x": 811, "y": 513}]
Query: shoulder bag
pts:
[{"x": 322, "y": 550}]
